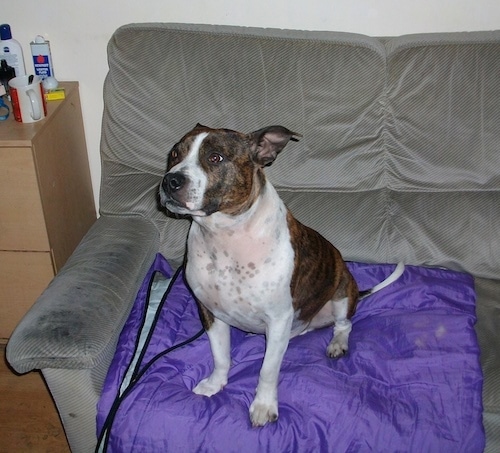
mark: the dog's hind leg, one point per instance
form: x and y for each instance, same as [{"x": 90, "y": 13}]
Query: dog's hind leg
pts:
[{"x": 339, "y": 344}]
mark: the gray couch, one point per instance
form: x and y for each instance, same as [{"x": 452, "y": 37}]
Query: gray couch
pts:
[{"x": 400, "y": 161}]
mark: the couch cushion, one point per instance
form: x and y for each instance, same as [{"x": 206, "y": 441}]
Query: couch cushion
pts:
[
  {"x": 165, "y": 78},
  {"x": 411, "y": 376},
  {"x": 442, "y": 143}
]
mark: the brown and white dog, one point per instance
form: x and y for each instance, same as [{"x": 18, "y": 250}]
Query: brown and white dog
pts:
[{"x": 249, "y": 262}]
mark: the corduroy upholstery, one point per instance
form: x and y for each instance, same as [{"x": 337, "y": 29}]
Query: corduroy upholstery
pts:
[{"x": 399, "y": 161}]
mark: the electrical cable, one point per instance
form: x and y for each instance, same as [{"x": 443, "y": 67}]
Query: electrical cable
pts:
[{"x": 102, "y": 443}]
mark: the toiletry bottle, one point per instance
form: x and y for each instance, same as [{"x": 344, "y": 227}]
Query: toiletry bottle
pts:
[
  {"x": 42, "y": 59},
  {"x": 11, "y": 51}
]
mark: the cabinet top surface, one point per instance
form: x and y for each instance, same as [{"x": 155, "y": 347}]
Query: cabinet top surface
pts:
[{"x": 14, "y": 134}]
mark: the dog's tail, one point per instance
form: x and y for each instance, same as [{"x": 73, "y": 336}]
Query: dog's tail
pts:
[{"x": 400, "y": 268}]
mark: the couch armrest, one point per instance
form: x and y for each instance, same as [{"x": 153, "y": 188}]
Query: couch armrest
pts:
[{"x": 79, "y": 316}]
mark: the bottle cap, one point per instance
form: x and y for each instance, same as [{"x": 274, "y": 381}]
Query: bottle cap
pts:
[{"x": 5, "y": 32}]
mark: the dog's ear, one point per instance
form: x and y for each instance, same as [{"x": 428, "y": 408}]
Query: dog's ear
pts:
[{"x": 269, "y": 141}]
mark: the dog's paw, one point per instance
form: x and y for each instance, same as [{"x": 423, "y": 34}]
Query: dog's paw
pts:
[
  {"x": 210, "y": 386},
  {"x": 340, "y": 342},
  {"x": 261, "y": 413},
  {"x": 336, "y": 349}
]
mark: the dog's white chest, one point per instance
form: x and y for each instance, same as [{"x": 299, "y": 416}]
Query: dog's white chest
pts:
[{"x": 242, "y": 275}]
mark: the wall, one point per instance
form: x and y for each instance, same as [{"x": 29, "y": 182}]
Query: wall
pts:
[{"x": 79, "y": 34}]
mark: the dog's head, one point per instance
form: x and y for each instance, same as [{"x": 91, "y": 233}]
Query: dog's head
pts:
[{"x": 219, "y": 170}]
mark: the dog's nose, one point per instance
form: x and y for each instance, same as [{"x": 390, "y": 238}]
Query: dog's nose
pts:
[{"x": 172, "y": 182}]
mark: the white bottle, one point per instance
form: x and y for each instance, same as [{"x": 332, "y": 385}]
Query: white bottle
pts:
[
  {"x": 42, "y": 60},
  {"x": 11, "y": 50}
]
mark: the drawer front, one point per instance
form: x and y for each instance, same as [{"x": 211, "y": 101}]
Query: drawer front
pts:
[
  {"x": 22, "y": 225},
  {"x": 23, "y": 277}
]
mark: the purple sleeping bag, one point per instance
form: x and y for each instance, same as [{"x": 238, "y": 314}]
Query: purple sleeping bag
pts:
[{"x": 410, "y": 382}]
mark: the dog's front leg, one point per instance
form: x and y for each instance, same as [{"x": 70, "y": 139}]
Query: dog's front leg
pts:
[
  {"x": 265, "y": 405},
  {"x": 219, "y": 336}
]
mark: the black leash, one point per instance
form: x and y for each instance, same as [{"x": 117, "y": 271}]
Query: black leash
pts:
[{"x": 102, "y": 442}]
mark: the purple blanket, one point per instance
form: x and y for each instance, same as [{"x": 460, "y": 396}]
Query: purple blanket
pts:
[{"x": 410, "y": 382}]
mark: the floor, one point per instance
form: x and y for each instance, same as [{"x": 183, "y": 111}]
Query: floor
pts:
[{"x": 28, "y": 418}]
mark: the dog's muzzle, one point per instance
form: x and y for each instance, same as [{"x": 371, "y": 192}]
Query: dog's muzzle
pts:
[
  {"x": 173, "y": 182},
  {"x": 174, "y": 195},
  {"x": 177, "y": 195},
  {"x": 171, "y": 193}
]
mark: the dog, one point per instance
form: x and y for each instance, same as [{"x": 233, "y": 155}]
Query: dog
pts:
[{"x": 249, "y": 263}]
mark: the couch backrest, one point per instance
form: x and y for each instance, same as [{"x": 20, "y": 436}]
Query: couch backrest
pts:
[{"x": 400, "y": 158}]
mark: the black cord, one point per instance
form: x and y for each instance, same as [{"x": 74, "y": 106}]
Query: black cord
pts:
[
  {"x": 164, "y": 353},
  {"x": 137, "y": 375}
]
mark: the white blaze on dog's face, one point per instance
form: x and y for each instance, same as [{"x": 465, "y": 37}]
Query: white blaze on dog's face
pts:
[
  {"x": 187, "y": 175},
  {"x": 219, "y": 170}
]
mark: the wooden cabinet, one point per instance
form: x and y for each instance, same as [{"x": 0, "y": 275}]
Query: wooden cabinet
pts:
[{"x": 46, "y": 202}]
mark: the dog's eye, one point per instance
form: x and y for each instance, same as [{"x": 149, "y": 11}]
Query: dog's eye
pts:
[
  {"x": 174, "y": 154},
  {"x": 215, "y": 158}
]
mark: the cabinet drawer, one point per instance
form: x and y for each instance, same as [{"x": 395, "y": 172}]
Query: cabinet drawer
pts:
[
  {"x": 23, "y": 277},
  {"x": 22, "y": 225}
]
